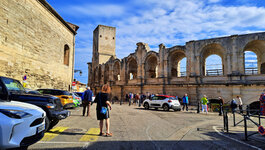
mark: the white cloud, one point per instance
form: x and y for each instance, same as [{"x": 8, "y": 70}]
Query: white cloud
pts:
[{"x": 172, "y": 22}]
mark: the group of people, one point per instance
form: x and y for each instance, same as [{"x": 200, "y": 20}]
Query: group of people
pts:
[
  {"x": 236, "y": 102},
  {"x": 137, "y": 98}
]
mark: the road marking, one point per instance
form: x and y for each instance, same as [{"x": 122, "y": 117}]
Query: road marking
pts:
[
  {"x": 91, "y": 135},
  {"x": 53, "y": 133},
  {"x": 214, "y": 127},
  {"x": 56, "y": 142}
]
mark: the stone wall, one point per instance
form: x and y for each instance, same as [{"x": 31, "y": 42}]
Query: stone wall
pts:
[{"x": 32, "y": 40}]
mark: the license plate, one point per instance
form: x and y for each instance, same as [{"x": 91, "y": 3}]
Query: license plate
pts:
[{"x": 40, "y": 128}]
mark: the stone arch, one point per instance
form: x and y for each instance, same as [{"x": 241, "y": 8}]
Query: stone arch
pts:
[
  {"x": 66, "y": 55},
  {"x": 116, "y": 70},
  {"x": 258, "y": 47},
  {"x": 106, "y": 73},
  {"x": 151, "y": 65},
  {"x": 212, "y": 49},
  {"x": 175, "y": 57},
  {"x": 132, "y": 68}
]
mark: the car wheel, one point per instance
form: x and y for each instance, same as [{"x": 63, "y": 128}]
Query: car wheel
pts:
[
  {"x": 53, "y": 123},
  {"x": 165, "y": 107},
  {"x": 146, "y": 106},
  {"x": 47, "y": 124}
]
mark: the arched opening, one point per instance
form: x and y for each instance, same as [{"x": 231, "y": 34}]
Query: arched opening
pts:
[
  {"x": 177, "y": 64},
  {"x": 132, "y": 71},
  {"x": 250, "y": 63},
  {"x": 214, "y": 67},
  {"x": 183, "y": 67},
  {"x": 116, "y": 71},
  {"x": 151, "y": 68},
  {"x": 106, "y": 74},
  {"x": 66, "y": 55},
  {"x": 254, "y": 57},
  {"x": 212, "y": 60}
]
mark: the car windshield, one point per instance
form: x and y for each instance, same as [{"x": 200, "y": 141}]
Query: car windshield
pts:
[
  {"x": 53, "y": 92},
  {"x": 173, "y": 98},
  {"x": 13, "y": 85}
]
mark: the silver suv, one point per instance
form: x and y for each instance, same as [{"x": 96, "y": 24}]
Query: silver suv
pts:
[{"x": 162, "y": 101}]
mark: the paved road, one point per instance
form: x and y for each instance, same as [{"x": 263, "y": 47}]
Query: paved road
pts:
[{"x": 136, "y": 128}]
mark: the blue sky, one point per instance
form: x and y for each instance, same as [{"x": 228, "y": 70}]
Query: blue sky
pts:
[{"x": 172, "y": 22}]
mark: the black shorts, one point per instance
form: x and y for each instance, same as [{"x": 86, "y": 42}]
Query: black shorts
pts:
[{"x": 101, "y": 116}]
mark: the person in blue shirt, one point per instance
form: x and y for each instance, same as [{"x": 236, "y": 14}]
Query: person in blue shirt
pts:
[
  {"x": 86, "y": 101},
  {"x": 185, "y": 100}
]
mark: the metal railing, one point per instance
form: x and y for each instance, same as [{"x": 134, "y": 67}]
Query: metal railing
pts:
[
  {"x": 251, "y": 70},
  {"x": 246, "y": 114},
  {"x": 214, "y": 72}
]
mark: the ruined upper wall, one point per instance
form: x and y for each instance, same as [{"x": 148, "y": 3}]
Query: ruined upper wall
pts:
[{"x": 33, "y": 40}]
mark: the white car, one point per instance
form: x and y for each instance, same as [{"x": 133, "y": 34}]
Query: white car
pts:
[
  {"x": 21, "y": 124},
  {"x": 162, "y": 101}
]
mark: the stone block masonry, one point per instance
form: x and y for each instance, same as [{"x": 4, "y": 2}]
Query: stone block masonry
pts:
[{"x": 34, "y": 40}]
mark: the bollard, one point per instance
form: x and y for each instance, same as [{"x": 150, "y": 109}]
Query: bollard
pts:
[
  {"x": 225, "y": 117},
  {"x": 234, "y": 119},
  {"x": 224, "y": 120},
  {"x": 245, "y": 126},
  {"x": 259, "y": 119},
  {"x": 121, "y": 102},
  {"x": 247, "y": 110},
  {"x": 198, "y": 107}
]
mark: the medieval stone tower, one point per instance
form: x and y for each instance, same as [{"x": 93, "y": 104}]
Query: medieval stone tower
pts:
[{"x": 103, "y": 44}]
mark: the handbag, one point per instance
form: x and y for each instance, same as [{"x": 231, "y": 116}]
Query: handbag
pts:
[{"x": 103, "y": 110}]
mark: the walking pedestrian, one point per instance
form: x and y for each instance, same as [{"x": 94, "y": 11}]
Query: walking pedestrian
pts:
[
  {"x": 86, "y": 100},
  {"x": 130, "y": 99},
  {"x": 240, "y": 104},
  {"x": 127, "y": 97},
  {"x": 233, "y": 105},
  {"x": 103, "y": 108},
  {"x": 185, "y": 101},
  {"x": 137, "y": 99},
  {"x": 221, "y": 104},
  {"x": 262, "y": 103},
  {"x": 204, "y": 102}
]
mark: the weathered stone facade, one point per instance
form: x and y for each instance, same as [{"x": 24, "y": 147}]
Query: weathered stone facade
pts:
[
  {"x": 159, "y": 72},
  {"x": 36, "y": 40}
]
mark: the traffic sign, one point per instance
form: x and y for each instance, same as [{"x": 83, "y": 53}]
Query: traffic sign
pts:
[
  {"x": 73, "y": 83},
  {"x": 261, "y": 130}
]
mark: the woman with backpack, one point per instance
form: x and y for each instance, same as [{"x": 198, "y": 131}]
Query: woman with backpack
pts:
[{"x": 103, "y": 108}]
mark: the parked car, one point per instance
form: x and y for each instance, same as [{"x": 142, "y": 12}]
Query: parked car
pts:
[
  {"x": 214, "y": 105},
  {"x": 80, "y": 94},
  {"x": 254, "y": 108},
  {"x": 21, "y": 124},
  {"x": 50, "y": 104},
  {"x": 76, "y": 99},
  {"x": 65, "y": 96},
  {"x": 162, "y": 101}
]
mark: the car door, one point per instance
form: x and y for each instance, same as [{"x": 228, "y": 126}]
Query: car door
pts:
[
  {"x": 160, "y": 100},
  {"x": 154, "y": 102}
]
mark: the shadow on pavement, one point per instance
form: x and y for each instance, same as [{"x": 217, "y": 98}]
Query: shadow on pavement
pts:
[{"x": 153, "y": 109}]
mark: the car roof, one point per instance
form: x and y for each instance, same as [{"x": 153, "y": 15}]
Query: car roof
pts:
[
  {"x": 51, "y": 89},
  {"x": 167, "y": 96}
]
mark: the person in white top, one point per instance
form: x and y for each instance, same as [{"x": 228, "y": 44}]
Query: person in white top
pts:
[{"x": 240, "y": 103}]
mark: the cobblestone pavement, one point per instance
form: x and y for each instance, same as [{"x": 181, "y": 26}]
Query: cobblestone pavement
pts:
[{"x": 136, "y": 128}]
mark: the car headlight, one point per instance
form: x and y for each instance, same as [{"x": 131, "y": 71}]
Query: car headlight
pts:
[
  {"x": 17, "y": 114},
  {"x": 50, "y": 106}
]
